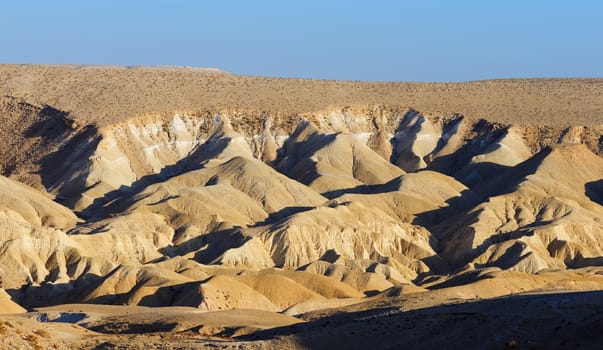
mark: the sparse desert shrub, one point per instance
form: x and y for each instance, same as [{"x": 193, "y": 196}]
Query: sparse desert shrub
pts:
[
  {"x": 32, "y": 338},
  {"x": 42, "y": 333}
]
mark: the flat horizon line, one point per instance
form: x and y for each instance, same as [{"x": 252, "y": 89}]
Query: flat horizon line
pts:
[{"x": 217, "y": 70}]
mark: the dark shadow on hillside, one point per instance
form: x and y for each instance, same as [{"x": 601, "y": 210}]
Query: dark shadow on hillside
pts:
[
  {"x": 455, "y": 205},
  {"x": 297, "y": 163},
  {"x": 296, "y": 150},
  {"x": 49, "y": 129},
  {"x": 567, "y": 320},
  {"x": 60, "y": 163},
  {"x": 116, "y": 201},
  {"x": 362, "y": 189},
  {"x": 51, "y": 123},
  {"x": 485, "y": 137},
  {"x": 507, "y": 260},
  {"x": 399, "y": 134},
  {"x": 390, "y": 186},
  {"x": 449, "y": 129},
  {"x": 594, "y": 191},
  {"x": 475, "y": 174},
  {"x": 504, "y": 183},
  {"x": 208, "y": 247},
  {"x": 508, "y": 181},
  {"x": 31, "y": 296},
  {"x": 281, "y": 215}
]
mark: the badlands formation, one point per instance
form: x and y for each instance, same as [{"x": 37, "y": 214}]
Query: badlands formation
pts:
[{"x": 190, "y": 208}]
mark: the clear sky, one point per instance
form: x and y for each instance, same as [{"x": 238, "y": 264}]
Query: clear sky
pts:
[{"x": 378, "y": 40}]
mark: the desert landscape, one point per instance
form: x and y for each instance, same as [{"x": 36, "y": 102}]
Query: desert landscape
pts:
[{"x": 188, "y": 208}]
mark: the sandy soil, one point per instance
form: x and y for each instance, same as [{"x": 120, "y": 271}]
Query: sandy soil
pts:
[
  {"x": 418, "y": 321},
  {"x": 106, "y": 95}
]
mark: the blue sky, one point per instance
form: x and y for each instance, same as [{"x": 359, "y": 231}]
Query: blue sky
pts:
[{"x": 378, "y": 40}]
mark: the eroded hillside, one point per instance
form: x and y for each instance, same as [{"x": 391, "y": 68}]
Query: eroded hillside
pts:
[{"x": 300, "y": 197}]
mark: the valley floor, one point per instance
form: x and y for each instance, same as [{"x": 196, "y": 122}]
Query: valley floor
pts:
[{"x": 560, "y": 320}]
